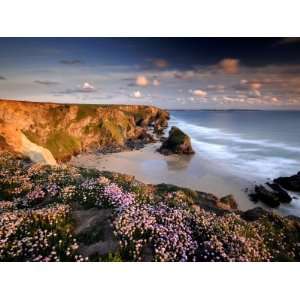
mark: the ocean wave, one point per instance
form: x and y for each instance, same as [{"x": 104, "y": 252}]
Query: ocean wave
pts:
[
  {"x": 250, "y": 167},
  {"x": 217, "y": 134}
]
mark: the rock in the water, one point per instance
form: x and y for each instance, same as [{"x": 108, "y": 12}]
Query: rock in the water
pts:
[
  {"x": 266, "y": 196},
  {"x": 291, "y": 183},
  {"x": 177, "y": 143},
  {"x": 284, "y": 196},
  {"x": 271, "y": 194}
]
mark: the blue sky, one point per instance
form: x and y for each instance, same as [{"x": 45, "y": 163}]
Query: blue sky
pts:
[{"x": 171, "y": 73}]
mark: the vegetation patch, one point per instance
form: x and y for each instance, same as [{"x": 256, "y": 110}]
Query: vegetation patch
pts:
[
  {"x": 86, "y": 110},
  {"x": 62, "y": 145}
]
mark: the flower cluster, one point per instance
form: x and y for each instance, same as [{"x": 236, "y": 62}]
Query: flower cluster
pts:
[
  {"x": 37, "y": 194},
  {"x": 228, "y": 238},
  {"x": 6, "y": 206},
  {"x": 38, "y": 235},
  {"x": 115, "y": 196},
  {"x": 167, "y": 231},
  {"x": 87, "y": 192}
]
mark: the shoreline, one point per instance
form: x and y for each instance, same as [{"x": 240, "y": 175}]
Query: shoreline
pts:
[
  {"x": 194, "y": 172},
  {"x": 149, "y": 166}
]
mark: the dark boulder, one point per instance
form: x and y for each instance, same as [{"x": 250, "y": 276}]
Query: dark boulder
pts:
[
  {"x": 284, "y": 196},
  {"x": 291, "y": 183},
  {"x": 266, "y": 196},
  {"x": 271, "y": 194},
  {"x": 177, "y": 143}
]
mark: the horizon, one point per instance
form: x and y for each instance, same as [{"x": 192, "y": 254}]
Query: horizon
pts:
[
  {"x": 171, "y": 73},
  {"x": 168, "y": 109}
]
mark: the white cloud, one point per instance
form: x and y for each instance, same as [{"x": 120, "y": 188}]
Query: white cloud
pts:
[
  {"x": 137, "y": 94},
  {"x": 87, "y": 87},
  {"x": 84, "y": 88}
]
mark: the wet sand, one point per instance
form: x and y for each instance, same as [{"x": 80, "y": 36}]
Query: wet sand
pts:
[{"x": 149, "y": 166}]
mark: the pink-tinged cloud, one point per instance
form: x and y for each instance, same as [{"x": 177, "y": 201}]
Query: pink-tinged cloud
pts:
[
  {"x": 199, "y": 93},
  {"x": 160, "y": 63},
  {"x": 142, "y": 80},
  {"x": 230, "y": 65},
  {"x": 255, "y": 86}
]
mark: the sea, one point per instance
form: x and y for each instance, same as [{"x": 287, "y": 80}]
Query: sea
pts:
[{"x": 253, "y": 145}]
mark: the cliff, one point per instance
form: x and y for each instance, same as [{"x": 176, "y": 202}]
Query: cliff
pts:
[{"x": 54, "y": 132}]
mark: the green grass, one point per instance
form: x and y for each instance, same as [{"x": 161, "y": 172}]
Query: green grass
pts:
[
  {"x": 114, "y": 129},
  {"x": 62, "y": 145},
  {"x": 85, "y": 110}
]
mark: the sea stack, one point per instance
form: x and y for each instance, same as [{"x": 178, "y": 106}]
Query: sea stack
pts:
[{"x": 177, "y": 143}]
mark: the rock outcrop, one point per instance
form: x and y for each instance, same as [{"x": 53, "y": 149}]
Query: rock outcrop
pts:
[
  {"x": 271, "y": 194},
  {"x": 276, "y": 192},
  {"x": 68, "y": 129},
  {"x": 267, "y": 196},
  {"x": 291, "y": 183},
  {"x": 177, "y": 143}
]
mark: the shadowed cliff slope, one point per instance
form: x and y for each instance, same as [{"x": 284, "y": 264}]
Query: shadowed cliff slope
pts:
[{"x": 68, "y": 129}]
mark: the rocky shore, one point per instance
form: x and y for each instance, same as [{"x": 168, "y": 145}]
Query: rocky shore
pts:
[
  {"x": 64, "y": 213},
  {"x": 276, "y": 192}
]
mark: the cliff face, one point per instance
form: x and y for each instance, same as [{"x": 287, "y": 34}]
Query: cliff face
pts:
[{"x": 68, "y": 129}]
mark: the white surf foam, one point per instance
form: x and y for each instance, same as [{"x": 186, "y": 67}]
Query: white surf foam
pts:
[
  {"x": 242, "y": 161},
  {"x": 216, "y": 133}
]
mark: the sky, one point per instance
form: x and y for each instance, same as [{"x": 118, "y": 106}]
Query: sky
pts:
[{"x": 172, "y": 73}]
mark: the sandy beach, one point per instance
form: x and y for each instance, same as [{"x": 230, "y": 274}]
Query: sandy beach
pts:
[{"x": 149, "y": 166}]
